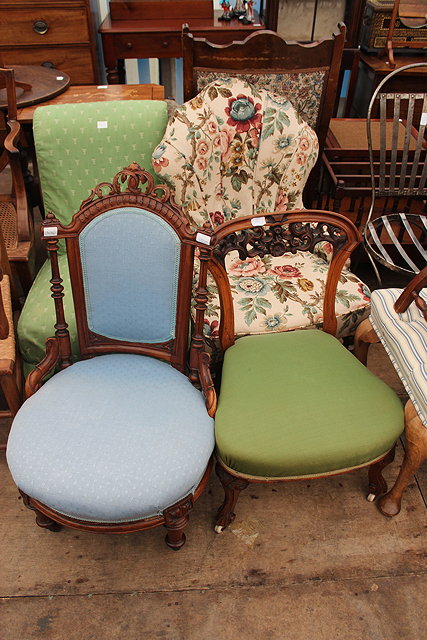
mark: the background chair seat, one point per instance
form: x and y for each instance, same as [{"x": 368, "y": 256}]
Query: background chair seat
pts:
[
  {"x": 270, "y": 420},
  {"x": 404, "y": 337},
  {"x": 79, "y": 463}
]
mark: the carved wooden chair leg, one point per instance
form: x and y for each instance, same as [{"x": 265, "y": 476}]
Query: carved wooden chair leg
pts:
[
  {"x": 176, "y": 519},
  {"x": 364, "y": 336},
  {"x": 415, "y": 454},
  {"x": 377, "y": 484},
  {"x": 232, "y": 487},
  {"x": 42, "y": 520}
]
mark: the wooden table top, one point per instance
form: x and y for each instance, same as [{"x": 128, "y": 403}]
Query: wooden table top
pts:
[
  {"x": 45, "y": 84},
  {"x": 94, "y": 93}
]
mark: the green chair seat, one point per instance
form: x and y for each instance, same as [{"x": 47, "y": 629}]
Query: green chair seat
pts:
[{"x": 283, "y": 409}]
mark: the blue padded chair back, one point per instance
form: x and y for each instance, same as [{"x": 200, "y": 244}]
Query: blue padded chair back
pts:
[{"x": 130, "y": 262}]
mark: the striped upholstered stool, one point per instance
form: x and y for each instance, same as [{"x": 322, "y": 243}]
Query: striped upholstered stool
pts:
[{"x": 399, "y": 320}]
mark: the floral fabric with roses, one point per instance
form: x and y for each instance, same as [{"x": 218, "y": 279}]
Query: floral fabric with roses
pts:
[
  {"x": 284, "y": 293},
  {"x": 237, "y": 150}
]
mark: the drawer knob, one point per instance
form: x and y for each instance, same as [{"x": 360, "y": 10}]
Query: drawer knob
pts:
[
  {"x": 129, "y": 45},
  {"x": 165, "y": 44},
  {"x": 48, "y": 65},
  {"x": 40, "y": 26}
]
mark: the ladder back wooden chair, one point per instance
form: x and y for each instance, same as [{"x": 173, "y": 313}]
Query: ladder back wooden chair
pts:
[
  {"x": 397, "y": 239},
  {"x": 121, "y": 440},
  {"x": 295, "y": 405},
  {"x": 15, "y": 215}
]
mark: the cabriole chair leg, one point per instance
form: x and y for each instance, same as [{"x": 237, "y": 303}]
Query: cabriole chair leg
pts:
[
  {"x": 415, "y": 454},
  {"x": 232, "y": 487},
  {"x": 377, "y": 484}
]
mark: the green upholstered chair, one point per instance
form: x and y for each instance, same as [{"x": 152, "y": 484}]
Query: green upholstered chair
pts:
[
  {"x": 77, "y": 147},
  {"x": 297, "y": 404},
  {"x": 119, "y": 441}
]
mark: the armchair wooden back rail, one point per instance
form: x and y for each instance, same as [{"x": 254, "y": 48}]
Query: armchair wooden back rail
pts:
[
  {"x": 297, "y": 404},
  {"x": 120, "y": 441}
]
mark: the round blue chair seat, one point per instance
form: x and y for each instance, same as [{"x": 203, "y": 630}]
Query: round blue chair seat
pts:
[{"x": 114, "y": 438}]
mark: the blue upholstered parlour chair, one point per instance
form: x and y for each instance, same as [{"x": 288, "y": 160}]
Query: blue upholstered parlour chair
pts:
[
  {"x": 296, "y": 404},
  {"x": 77, "y": 147},
  {"x": 399, "y": 320},
  {"x": 121, "y": 440}
]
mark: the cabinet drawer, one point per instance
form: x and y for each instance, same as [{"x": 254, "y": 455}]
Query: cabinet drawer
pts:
[
  {"x": 74, "y": 61},
  {"x": 150, "y": 45},
  {"x": 44, "y": 25}
]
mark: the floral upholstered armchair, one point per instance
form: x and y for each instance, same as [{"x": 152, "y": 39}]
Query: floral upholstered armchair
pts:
[{"x": 236, "y": 150}]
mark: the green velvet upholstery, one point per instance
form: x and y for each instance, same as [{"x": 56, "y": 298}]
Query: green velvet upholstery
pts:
[
  {"x": 77, "y": 147},
  {"x": 283, "y": 409}
]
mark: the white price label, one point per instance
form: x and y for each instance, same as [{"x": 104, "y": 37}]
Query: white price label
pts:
[
  {"x": 102, "y": 86},
  {"x": 50, "y": 231},
  {"x": 203, "y": 238},
  {"x": 423, "y": 118},
  {"x": 258, "y": 222},
  {"x": 102, "y": 124}
]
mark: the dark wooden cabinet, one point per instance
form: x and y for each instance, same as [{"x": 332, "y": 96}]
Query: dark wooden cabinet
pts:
[{"x": 52, "y": 33}]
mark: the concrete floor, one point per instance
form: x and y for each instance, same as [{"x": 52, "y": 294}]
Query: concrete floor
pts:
[{"x": 302, "y": 561}]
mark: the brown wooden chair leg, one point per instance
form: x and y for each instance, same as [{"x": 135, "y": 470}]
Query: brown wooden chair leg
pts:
[
  {"x": 377, "y": 484},
  {"x": 42, "y": 520},
  {"x": 364, "y": 336},
  {"x": 232, "y": 486},
  {"x": 415, "y": 454},
  {"x": 176, "y": 519},
  {"x": 11, "y": 393}
]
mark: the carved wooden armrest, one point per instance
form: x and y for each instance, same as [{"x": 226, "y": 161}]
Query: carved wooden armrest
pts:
[
  {"x": 12, "y": 137},
  {"x": 208, "y": 388},
  {"x": 411, "y": 294},
  {"x": 35, "y": 377}
]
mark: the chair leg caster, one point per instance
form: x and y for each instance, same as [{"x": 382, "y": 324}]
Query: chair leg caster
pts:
[
  {"x": 371, "y": 497},
  {"x": 219, "y": 528}
]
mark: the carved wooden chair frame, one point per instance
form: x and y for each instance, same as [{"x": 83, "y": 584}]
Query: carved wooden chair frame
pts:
[
  {"x": 135, "y": 187},
  {"x": 303, "y": 230}
]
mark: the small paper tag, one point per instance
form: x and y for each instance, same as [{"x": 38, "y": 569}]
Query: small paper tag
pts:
[
  {"x": 50, "y": 231},
  {"x": 102, "y": 86},
  {"x": 423, "y": 120},
  {"x": 203, "y": 238},
  {"x": 59, "y": 77},
  {"x": 258, "y": 222},
  {"x": 102, "y": 124}
]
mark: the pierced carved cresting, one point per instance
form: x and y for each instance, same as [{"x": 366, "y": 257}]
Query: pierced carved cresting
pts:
[{"x": 277, "y": 240}]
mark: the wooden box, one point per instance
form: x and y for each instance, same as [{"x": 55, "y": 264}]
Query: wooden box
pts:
[
  {"x": 376, "y": 24},
  {"x": 160, "y": 9}
]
